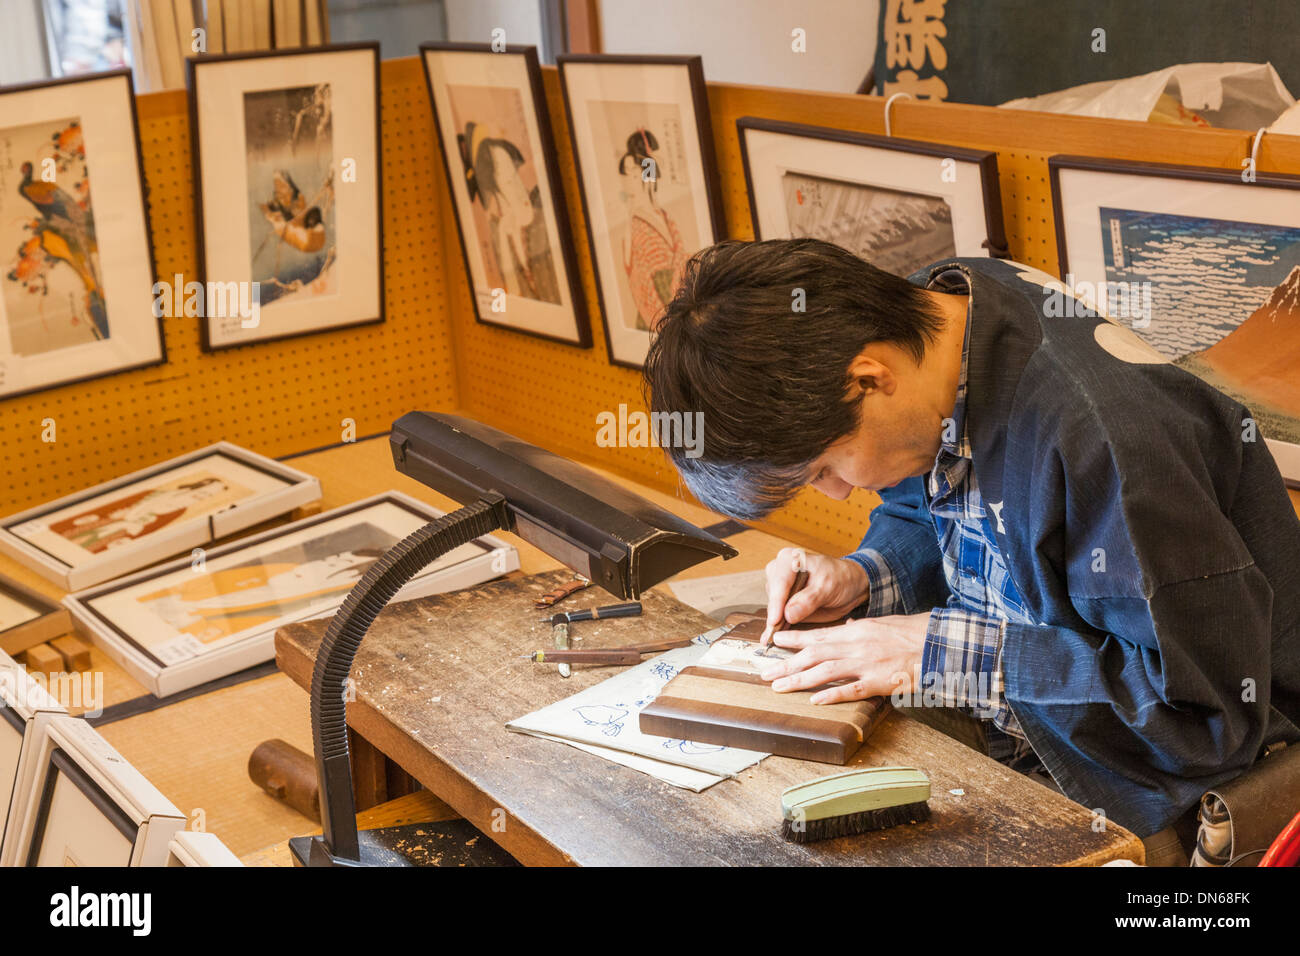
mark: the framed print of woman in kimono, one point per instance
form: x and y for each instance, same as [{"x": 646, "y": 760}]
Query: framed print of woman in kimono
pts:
[{"x": 643, "y": 148}]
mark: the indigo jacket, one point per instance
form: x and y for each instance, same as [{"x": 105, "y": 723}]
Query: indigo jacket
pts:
[{"x": 1148, "y": 530}]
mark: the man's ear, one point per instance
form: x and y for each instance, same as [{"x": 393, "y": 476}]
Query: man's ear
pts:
[{"x": 868, "y": 374}]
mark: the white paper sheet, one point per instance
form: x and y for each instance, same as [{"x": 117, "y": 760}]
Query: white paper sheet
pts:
[
  {"x": 719, "y": 595},
  {"x": 606, "y": 716}
]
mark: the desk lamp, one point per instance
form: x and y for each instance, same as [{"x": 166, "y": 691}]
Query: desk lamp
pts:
[{"x": 597, "y": 528}]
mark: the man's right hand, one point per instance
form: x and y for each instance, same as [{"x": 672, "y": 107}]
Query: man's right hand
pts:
[{"x": 835, "y": 587}]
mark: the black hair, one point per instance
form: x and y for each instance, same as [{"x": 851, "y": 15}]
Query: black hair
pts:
[
  {"x": 772, "y": 381},
  {"x": 480, "y": 169},
  {"x": 640, "y": 145}
]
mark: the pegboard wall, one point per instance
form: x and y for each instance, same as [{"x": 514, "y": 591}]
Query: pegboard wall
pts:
[
  {"x": 282, "y": 397},
  {"x": 275, "y": 398}
]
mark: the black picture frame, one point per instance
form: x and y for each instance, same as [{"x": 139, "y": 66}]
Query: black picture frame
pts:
[
  {"x": 694, "y": 65},
  {"x": 60, "y": 763},
  {"x": 987, "y": 161},
  {"x": 1133, "y": 167},
  {"x": 1286, "y": 453},
  {"x": 556, "y": 200},
  {"x": 125, "y": 74},
  {"x": 193, "y": 64}
]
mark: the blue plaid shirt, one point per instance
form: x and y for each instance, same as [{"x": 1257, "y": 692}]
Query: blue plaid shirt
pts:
[{"x": 961, "y": 664}]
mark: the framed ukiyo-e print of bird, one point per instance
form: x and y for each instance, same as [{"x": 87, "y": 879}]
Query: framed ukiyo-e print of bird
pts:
[
  {"x": 76, "y": 260},
  {"x": 286, "y": 149}
]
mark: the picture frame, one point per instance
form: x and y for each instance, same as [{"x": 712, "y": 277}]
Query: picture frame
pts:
[
  {"x": 177, "y": 505},
  {"x": 28, "y": 618},
  {"x": 173, "y": 626},
  {"x": 21, "y": 699},
  {"x": 648, "y": 198},
  {"x": 76, "y": 251},
  {"x": 1127, "y": 231},
  {"x": 200, "y": 848},
  {"x": 498, "y": 153},
  {"x": 311, "y": 243},
  {"x": 86, "y": 804},
  {"x": 897, "y": 203}
]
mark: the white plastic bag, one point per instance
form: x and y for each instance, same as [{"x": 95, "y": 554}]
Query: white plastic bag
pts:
[{"x": 1229, "y": 95}]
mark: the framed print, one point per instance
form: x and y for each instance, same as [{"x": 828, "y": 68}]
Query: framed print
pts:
[
  {"x": 199, "y": 848},
  {"x": 76, "y": 257},
  {"x": 643, "y": 149},
  {"x": 131, "y": 522},
  {"x": 173, "y": 627},
  {"x": 897, "y": 203},
  {"x": 86, "y": 805},
  {"x": 21, "y": 699},
  {"x": 28, "y": 618},
  {"x": 287, "y": 187},
  {"x": 499, "y": 155},
  {"x": 1205, "y": 268},
  {"x": 78, "y": 824}
]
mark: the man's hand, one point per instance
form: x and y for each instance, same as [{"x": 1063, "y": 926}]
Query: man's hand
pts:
[
  {"x": 835, "y": 587},
  {"x": 875, "y": 655}
]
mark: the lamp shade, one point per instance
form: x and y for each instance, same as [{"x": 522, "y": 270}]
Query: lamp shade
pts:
[{"x": 596, "y": 527}]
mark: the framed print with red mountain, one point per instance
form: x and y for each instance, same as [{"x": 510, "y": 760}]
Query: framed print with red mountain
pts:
[
  {"x": 643, "y": 149},
  {"x": 76, "y": 260},
  {"x": 1203, "y": 266}
]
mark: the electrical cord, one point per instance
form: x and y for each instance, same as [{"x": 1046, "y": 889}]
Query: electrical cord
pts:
[
  {"x": 1285, "y": 850},
  {"x": 377, "y": 587}
]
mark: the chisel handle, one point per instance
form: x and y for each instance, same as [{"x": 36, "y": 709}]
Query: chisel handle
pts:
[{"x": 586, "y": 656}]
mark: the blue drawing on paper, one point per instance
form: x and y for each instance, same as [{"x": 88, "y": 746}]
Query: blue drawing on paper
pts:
[
  {"x": 609, "y": 719},
  {"x": 663, "y": 670},
  {"x": 690, "y": 747}
]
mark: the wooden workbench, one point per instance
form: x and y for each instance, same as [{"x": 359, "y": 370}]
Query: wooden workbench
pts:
[{"x": 436, "y": 686}]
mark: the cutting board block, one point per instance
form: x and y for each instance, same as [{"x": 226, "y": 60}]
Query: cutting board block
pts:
[{"x": 715, "y": 706}]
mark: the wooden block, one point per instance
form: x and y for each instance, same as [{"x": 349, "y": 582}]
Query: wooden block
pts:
[
  {"x": 45, "y": 628},
  {"x": 308, "y": 510},
  {"x": 43, "y": 659},
  {"x": 74, "y": 651},
  {"x": 732, "y": 709}
]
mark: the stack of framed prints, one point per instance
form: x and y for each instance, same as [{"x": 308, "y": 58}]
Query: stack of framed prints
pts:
[
  {"x": 1203, "y": 266},
  {"x": 86, "y": 806},
  {"x": 287, "y": 185},
  {"x": 499, "y": 156},
  {"x": 27, "y": 618},
  {"x": 899, "y": 204},
  {"x": 178, "y": 625},
  {"x": 643, "y": 148},
  {"x": 76, "y": 259},
  {"x": 21, "y": 699},
  {"x": 131, "y": 522}
]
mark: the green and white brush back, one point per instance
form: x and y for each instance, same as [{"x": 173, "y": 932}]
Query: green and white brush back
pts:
[{"x": 855, "y": 791}]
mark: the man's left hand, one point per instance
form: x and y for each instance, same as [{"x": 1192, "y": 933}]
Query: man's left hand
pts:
[{"x": 872, "y": 655}]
